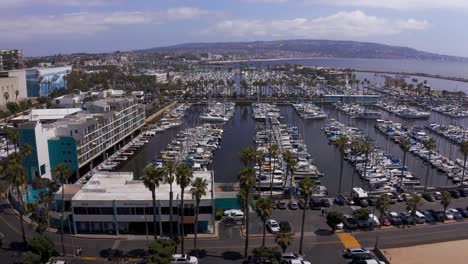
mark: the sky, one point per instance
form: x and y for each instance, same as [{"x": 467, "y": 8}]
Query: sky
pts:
[{"x": 46, "y": 27}]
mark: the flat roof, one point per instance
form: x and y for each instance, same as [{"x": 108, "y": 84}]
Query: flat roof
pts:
[
  {"x": 47, "y": 114},
  {"x": 109, "y": 186}
]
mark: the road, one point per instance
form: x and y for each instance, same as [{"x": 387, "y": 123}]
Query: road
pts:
[{"x": 320, "y": 246}]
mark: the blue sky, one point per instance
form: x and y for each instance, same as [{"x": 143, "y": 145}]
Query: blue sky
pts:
[{"x": 43, "y": 27}]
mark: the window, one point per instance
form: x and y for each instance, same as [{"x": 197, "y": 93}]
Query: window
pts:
[
  {"x": 43, "y": 171},
  {"x": 205, "y": 210},
  {"x": 79, "y": 210},
  {"x": 94, "y": 210},
  {"x": 107, "y": 210},
  {"x": 149, "y": 210},
  {"x": 123, "y": 211}
]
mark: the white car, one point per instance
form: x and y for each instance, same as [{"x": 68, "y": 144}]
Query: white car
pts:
[
  {"x": 231, "y": 211},
  {"x": 236, "y": 215},
  {"x": 350, "y": 252},
  {"x": 448, "y": 215},
  {"x": 183, "y": 259},
  {"x": 272, "y": 226},
  {"x": 298, "y": 261},
  {"x": 374, "y": 220},
  {"x": 285, "y": 257}
]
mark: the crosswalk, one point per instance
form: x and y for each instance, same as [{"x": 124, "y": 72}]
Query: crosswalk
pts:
[{"x": 348, "y": 240}]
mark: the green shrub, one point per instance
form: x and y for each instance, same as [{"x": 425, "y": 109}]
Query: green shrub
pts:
[{"x": 219, "y": 213}]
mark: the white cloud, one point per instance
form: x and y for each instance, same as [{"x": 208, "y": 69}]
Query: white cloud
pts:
[
  {"x": 340, "y": 25},
  {"x": 84, "y": 23},
  {"x": 397, "y": 4},
  {"x": 22, "y": 3}
]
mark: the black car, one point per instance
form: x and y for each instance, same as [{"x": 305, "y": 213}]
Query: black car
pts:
[
  {"x": 373, "y": 200},
  {"x": 324, "y": 202},
  {"x": 350, "y": 222},
  {"x": 358, "y": 258},
  {"x": 406, "y": 218},
  {"x": 301, "y": 203},
  {"x": 394, "y": 218},
  {"x": 429, "y": 217},
  {"x": 438, "y": 215},
  {"x": 428, "y": 197},
  {"x": 463, "y": 192},
  {"x": 455, "y": 194},
  {"x": 363, "y": 203},
  {"x": 315, "y": 203},
  {"x": 284, "y": 225},
  {"x": 463, "y": 212}
]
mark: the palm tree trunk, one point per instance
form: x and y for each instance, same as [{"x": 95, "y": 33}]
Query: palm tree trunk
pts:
[
  {"x": 47, "y": 216},
  {"x": 61, "y": 219},
  {"x": 463, "y": 173},
  {"x": 196, "y": 228},
  {"x": 23, "y": 235},
  {"x": 427, "y": 172},
  {"x": 402, "y": 169},
  {"x": 341, "y": 172},
  {"x": 264, "y": 228},
  {"x": 171, "y": 215},
  {"x": 302, "y": 227},
  {"x": 153, "y": 196},
  {"x": 182, "y": 220},
  {"x": 246, "y": 223}
]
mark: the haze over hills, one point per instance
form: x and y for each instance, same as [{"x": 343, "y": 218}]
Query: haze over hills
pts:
[{"x": 305, "y": 48}]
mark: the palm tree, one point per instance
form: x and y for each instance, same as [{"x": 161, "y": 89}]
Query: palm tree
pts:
[
  {"x": 306, "y": 187},
  {"x": 259, "y": 162},
  {"x": 16, "y": 95},
  {"x": 169, "y": 178},
  {"x": 17, "y": 176},
  {"x": 366, "y": 148},
  {"x": 45, "y": 197},
  {"x": 6, "y": 95},
  {"x": 355, "y": 149},
  {"x": 405, "y": 147},
  {"x": 445, "y": 201},
  {"x": 152, "y": 177},
  {"x": 413, "y": 205},
  {"x": 383, "y": 203},
  {"x": 342, "y": 143},
  {"x": 184, "y": 175},
  {"x": 284, "y": 239},
  {"x": 291, "y": 164},
  {"x": 273, "y": 151},
  {"x": 247, "y": 156},
  {"x": 247, "y": 181},
  {"x": 25, "y": 151},
  {"x": 199, "y": 187},
  {"x": 464, "y": 151},
  {"x": 429, "y": 145},
  {"x": 63, "y": 173},
  {"x": 264, "y": 208}
]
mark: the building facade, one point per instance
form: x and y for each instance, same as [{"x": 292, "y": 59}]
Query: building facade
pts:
[
  {"x": 10, "y": 82},
  {"x": 11, "y": 60},
  {"x": 43, "y": 81},
  {"x": 77, "y": 139},
  {"x": 115, "y": 203}
]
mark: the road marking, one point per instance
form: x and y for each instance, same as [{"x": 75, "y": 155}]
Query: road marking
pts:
[
  {"x": 116, "y": 244},
  {"x": 348, "y": 240},
  {"x": 88, "y": 258}
]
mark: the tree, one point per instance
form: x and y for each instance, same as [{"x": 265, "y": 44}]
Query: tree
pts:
[
  {"x": 17, "y": 176},
  {"x": 248, "y": 156},
  {"x": 264, "y": 208},
  {"x": 366, "y": 148},
  {"x": 405, "y": 147},
  {"x": 429, "y": 145},
  {"x": 413, "y": 205},
  {"x": 6, "y": 95},
  {"x": 361, "y": 214},
  {"x": 342, "y": 143},
  {"x": 46, "y": 197},
  {"x": 306, "y": 187},
  {"x": 183, "y": 177},
  {"x": 259, "y": 162},
  {"x": 464, "y": 151},
  {"x": 247, "y": 181},
  {"x": 63, "y": 173},
  {"x": 161, "y": 251},
  {"x": 445, "y": 201},
  {"x": 273, "y": 151},
  {"x": 199, "y": 187},
  {"x": 355, "y": 149},
  {"x": 25, "y": 151},
  {"x": 44, "y": 247},
  {"x": 16, "y": 95},
  {"x": 333, "y": 219},
  {"x": 284, "y": 238},
  {"x": 152, "y": 177},
  {"x": 30, "y": 258},
  {"x": 383, "y": 203},
  {"x": 169, "y": 178}
]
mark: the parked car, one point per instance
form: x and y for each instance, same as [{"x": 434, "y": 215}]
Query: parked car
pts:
[
  {"x": 282, "y": 204},
  {"x": 429, "y": 217},
  {"x": 449, "y": 215},
  {"x": 301, "y": 203},
  {"x": 394, "y": 218},
  {"x": 455, "y": 194},
  {"x": 236, "y": 215},
  {"x": 358, "y": 258},
  {"x": 338, "y": 200},
  {"x": 373, "y": 200},
  {"x": 392, "y": 197},
  {"x": 349, "y": 222},
  {"x": 324, "y": 202},
  {"x": 438, "y": 215},
  {"x": 374, "y": 220},
  {"x": 363, "y": 202},
  {"x": 386, "y": 221},
  {"x": 231, "y": 211},
  {"x": 256, "y": 260},
  {"x": 463, "y": 192},
  {"x": 293, "y": 204},
  {"x": 350, "y": 252},
  {"x": 183, "y": 259},
  {"x": 429, "y": 197},
  {"x": 284, "y": 225},
  {"x": 456, "y": 214},
  {"x": 438, "y": 195},
  {"x": 315, "y": 203},
  {"x": 463, "y": 212},
  {"x": 298, "y": 261},
  {"x": 285, "y": 257},
  {"x": 272, "y": 226},
  {"x": 406, "y": 218}
]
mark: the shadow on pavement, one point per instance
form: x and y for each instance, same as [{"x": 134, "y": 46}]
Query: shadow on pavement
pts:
[
  {"x": 323, "y": 232},
  {"x": 17, "y": 246},
  {"x": 137, "y": 253},
  {"x": 111, "y": 253},
  {"x": 232, "y": 255}
]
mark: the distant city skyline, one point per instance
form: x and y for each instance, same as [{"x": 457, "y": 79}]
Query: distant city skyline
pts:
[{"x": 52, "y": 26}]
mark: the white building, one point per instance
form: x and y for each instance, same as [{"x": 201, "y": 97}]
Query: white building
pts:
[
  {"x": 69, "y": 100},
  {"x": 10, "y": 82},
  {"x": 115, "y": 203}
]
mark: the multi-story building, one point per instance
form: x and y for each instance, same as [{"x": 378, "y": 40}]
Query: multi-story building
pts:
[
  {"x": 11, "y": 60},
  {"x": 79, "y": 139},
  {"x": 116, "y": 203},
  {"x": 43, "y": 81},
  {"x": 11, "y": 82}
]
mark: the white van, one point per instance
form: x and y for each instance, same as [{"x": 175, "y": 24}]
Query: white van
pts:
[{"x": 419, "y": 218}]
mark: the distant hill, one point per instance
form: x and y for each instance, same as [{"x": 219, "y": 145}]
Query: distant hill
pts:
[{"x": 305, "y": 48}]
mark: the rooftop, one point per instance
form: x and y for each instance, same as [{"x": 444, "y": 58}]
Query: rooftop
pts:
[
  {"x": 121, "y": 186},
  {"x": 47, "y": 114}
]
